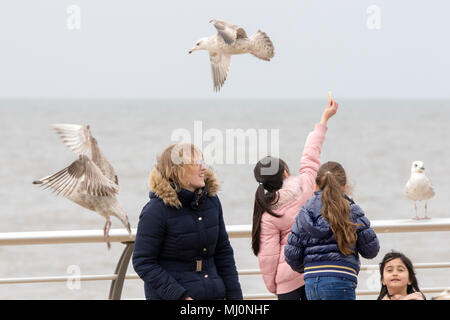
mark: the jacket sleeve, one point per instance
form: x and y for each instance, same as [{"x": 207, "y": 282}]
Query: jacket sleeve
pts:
[
  {"x": 149, "y": 239},
  {"x": 269, "y": 254},
  {"x": 310, "y": 160},
  {"x": 224, "y": 259},
  {"x": 294, "y": 250},
  {"x": 367, "y": 243}
]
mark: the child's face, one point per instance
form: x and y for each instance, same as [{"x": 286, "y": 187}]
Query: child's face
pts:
[{"x": 396, "y": 277}]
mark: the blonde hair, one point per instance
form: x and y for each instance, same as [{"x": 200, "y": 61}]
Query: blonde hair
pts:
[{"x": 173, "y": 162}]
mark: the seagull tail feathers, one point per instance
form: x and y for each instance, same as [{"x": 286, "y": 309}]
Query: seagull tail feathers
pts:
[
  {"x": 262, "y": 47},
  {"x": 127, "y": 225},
  {"x": 124, "y": 220},
  {"x": 129, "y": 228}
]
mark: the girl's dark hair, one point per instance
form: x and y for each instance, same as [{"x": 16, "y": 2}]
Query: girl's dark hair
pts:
[
  {"x": 330, "y": 179},
  {"x": 269, "y": 173},
  {"x": 411, "y": 288}
]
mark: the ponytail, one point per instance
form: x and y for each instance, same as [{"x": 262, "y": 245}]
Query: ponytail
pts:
[
  {"x": 331, "y": 179},
  {"x": 265, "y": 200}
]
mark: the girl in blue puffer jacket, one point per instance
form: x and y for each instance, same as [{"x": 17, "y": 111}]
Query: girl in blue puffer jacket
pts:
[{"x": 327, "y": 237}]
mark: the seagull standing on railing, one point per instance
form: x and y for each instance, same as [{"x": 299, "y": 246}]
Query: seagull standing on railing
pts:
[
  {"x": 230, "y": 40},
  {"x": 89, "y": 181},
  {"x": 419, "y": 187}
]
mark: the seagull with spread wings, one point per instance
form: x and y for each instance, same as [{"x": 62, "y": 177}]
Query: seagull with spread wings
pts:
[
  {"x": 230, "y": 40},
  {"x": 89, "y": 181}
]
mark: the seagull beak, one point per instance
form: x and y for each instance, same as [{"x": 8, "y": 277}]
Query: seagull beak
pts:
[{"x": 192, "y": 50}]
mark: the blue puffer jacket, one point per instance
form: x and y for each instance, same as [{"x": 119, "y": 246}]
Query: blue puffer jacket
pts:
[
  {"x": 312, "y": 249},
  {"x": 182, "y": 247}
]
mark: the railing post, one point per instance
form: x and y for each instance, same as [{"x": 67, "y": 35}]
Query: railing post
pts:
[{"x": 115, "y": 291}]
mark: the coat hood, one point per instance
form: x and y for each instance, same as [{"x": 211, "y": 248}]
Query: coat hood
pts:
[
  {"x": 290, "y": 191},
  {"x": 165, "y": 190},
  {"x": 312, "y": 220}
]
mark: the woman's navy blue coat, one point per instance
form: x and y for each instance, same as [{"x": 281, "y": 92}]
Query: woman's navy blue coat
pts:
[{"x": 182, "y": 247}]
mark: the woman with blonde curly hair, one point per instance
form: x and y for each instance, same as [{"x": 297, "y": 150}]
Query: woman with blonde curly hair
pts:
[{"x": 182, "y": 250}]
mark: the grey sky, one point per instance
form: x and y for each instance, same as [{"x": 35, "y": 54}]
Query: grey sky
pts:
[{"x": 138, "y": 49}]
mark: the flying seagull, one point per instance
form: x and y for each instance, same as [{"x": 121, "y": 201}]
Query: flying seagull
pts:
[
  {"x": 419, "y": 187},
  {"x": 230, "y": 40},
  {"x": 89, "y": 181}
]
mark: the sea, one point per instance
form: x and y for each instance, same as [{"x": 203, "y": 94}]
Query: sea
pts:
[{"x": 376, "y": 141}]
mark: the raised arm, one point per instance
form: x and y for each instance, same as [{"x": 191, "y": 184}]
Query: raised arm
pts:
[
  {"x": 329, "y": 111},
  {"x": 310, "y": 160}
]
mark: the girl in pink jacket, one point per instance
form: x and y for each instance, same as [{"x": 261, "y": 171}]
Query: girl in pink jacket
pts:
[{"x": 278, "y": 200}]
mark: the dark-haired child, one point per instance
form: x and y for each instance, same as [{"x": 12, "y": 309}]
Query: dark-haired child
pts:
[
  {"x": 278, "y": 199},
  {"x": 398, "y": 279}
]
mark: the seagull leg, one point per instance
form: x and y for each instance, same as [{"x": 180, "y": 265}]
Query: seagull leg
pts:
[
  {"x": 415, "y": 210},
  {"x": 106, "y": 233},
  {"x": 426, "y": 207}
]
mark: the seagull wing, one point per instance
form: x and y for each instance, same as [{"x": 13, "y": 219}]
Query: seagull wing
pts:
[
  {"x": 240, "y": 33},
  {"x": 431, "y": 191},
  {"x": 80, "y": 140},
  {"x": 100, "y": 160},
  {"x": 220, "y": 64},
  {"x": 407, "y": 187},
  {"x": 76, "y": 137},
  {"x": 95, "y": 182},
  {"x": 229, "y": 32},
  {"x": 82, "y": 173}
]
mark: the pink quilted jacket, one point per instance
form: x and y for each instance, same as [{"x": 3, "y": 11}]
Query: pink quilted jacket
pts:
[{"x": 277, "y": 274}]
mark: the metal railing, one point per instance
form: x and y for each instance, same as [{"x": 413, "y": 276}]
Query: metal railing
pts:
[{"x": 234, "y": 231}]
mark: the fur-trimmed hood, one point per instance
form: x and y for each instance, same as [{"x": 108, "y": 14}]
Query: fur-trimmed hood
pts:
[{"x": 164, "y": 190}]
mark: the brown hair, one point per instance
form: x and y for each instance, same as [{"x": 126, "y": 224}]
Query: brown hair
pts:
[
  {"x": 173, "y": 161},
  {"x": 330, "y": 179},
  {"x": 411, "y": 288},
  {"x": 269, "y": 173}
]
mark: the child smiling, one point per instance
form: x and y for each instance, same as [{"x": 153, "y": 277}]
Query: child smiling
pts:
[{"x": 398, "y": 278}]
